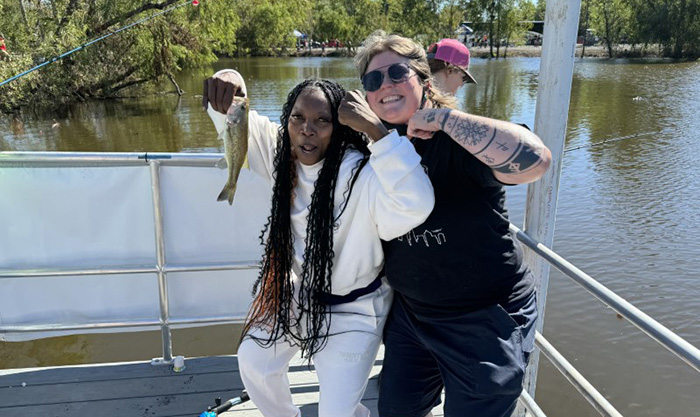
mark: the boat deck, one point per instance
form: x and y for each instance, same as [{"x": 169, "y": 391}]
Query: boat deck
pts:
[{"x": 139, "y": 389}]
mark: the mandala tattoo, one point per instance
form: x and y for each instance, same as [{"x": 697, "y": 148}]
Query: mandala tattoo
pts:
[{"x": 470, "y": 133}]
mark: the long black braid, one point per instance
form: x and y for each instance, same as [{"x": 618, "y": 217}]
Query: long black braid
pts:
[{"x": 306, "y": 324}]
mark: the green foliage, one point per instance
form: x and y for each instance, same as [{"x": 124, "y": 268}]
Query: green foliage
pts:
[
  {"x": 136, "y": 59},
  {"x": 414, "y": 18},
  {"x": 528, "y": 10},
  {"x": 540, "y": 7},
  {"x": 672, "y": 24},
  {"x": 267, "y": 24},
  {"x": 364, "y": 16},
  {"x": 38, "y": 31},
  {"x": 331, "y": 20},
  {"x": 610, "y": 19},
  {"x": 510, "y": 18}
]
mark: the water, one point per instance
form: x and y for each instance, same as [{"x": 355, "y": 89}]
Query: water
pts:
[{"x": 628, "y": 212}]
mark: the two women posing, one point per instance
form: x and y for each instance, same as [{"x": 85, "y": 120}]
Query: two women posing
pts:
[{"x": 344, "y": 211}]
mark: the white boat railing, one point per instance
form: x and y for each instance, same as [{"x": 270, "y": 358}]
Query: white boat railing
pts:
[
  {"x": 668, "y": 339},
  {"x": 671, "y": 341},
  {"x": 162, "y": 268}
]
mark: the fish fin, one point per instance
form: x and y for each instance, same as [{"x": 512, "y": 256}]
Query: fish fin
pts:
[
  {"x": 227, "y": 194},
  {"x": 245, "y": 163},
  {"x": 222, "y": 164}
]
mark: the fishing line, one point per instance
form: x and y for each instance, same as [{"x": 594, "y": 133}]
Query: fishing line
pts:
[
  {"x": 43, "y": 64},
  {"x": 610, "y": 140}
]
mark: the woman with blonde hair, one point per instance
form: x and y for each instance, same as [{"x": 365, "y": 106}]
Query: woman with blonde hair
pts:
[{"x": 464, "y": 307}]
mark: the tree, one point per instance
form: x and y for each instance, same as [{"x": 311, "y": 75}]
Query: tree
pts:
[
  {"x": 144, "y": 54},
  {"x": 610, "y": 17},
  {"x": 332, "y": 20},
  {"x": 451, "y": 15},
  {"x": 512, "y": 15},
  {"x": 363, "y": 20},
  {"x": 267, "y": 24},
  {"x": 415, "y": 19},
  {"x": 673, "y": 24},
  {"x": 539, "y": 10},
  {"x": 584, "y": 20}
]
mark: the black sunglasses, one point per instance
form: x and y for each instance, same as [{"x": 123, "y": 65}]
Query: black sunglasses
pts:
[
  {"x": 397, "y": 73},
  {"x": 465, "y": 77}
]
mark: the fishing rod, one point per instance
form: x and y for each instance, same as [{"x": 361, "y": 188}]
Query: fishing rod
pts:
[
  {"x": 213, "y": 411},
  {"x": 86, "y": 44},
  {"x": 636, "y": 135}
]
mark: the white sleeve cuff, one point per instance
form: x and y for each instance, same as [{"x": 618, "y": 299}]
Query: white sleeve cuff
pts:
[
  {"x": 243, "y": 87},
  {"x": 385, "y": 144}
]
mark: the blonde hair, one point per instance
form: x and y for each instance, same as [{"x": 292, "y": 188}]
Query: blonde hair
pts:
[{"x": 379, "y": 41}]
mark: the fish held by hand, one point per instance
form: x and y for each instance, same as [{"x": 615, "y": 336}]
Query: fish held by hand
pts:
[{"x": 235, "y": 137}]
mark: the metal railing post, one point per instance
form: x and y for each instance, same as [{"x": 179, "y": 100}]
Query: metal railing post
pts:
[
  {"x": 551, "y": 114},
  {"x": 160, "y": 264},
  {"x": 530, "y": 405}
]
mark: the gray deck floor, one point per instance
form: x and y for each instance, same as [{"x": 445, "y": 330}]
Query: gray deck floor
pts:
[{"x": 139, "y": 389}]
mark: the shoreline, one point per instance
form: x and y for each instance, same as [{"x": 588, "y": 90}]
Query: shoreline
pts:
[{"x": 524, "y": 51}]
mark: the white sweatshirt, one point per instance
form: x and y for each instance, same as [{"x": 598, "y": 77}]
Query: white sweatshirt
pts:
[{"x": 391, "y": 196}]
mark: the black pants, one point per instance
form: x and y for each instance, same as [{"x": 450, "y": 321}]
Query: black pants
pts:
[{"x": 478, "y": 357}]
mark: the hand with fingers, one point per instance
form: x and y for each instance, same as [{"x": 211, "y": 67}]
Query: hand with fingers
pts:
[
  {"x": 219, "y": 90},
  {"x": 425, "y": 122},
  {"x": 355, "y": 113}
]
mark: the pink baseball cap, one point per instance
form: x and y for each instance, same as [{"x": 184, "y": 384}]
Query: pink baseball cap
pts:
[{"x": 453, "y": 52}]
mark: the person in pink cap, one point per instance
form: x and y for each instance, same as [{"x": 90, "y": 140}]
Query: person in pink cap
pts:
[{"x": 449, "y": 65}]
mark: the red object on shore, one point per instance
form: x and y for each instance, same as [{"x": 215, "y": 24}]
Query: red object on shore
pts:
[
  {"x": 335, "y": 43},
  {"x": 195, "y": 2}
]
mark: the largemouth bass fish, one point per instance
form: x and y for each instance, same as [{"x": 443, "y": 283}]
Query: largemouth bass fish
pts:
[{"x": 235, "y": 137}]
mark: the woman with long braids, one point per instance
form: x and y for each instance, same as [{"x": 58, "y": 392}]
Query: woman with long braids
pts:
[{"x": 334, "y": 197}]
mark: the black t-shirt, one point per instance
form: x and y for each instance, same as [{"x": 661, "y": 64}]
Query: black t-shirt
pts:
[{"x": 463, "y": 257}]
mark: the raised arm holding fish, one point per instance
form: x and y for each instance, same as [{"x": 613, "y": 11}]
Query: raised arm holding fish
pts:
[
  {"x": 334, "y": 198},
  {"x": 235, "y": 137}
]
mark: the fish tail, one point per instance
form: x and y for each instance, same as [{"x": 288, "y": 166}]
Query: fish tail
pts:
[{"x": 227, "y": 193}]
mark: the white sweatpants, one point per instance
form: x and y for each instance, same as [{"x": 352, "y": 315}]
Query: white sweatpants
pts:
[{"x": 342, "y": 366}]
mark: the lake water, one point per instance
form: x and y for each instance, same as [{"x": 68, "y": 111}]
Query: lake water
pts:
[{"x": 628, "y": 214}]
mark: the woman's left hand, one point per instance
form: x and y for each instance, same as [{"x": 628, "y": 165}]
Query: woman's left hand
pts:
[{"x": 425, "y": 122}]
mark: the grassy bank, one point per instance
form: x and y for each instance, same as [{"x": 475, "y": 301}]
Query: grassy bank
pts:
[{"x": 595, "y": 51}]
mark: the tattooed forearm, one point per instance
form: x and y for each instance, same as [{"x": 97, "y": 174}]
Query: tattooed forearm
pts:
[
  {"x": 514, "y": 154},
  {"x": 444, "y": 120},
  {"x": 524, "y": 159},
  {"x": 488, "y": 144},
  {"x": 468, "y": 133}
]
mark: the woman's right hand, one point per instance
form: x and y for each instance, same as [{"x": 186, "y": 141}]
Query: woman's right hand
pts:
[
  {"x": 220, "y": 89},
  {"x": 355, "y": 113}
]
